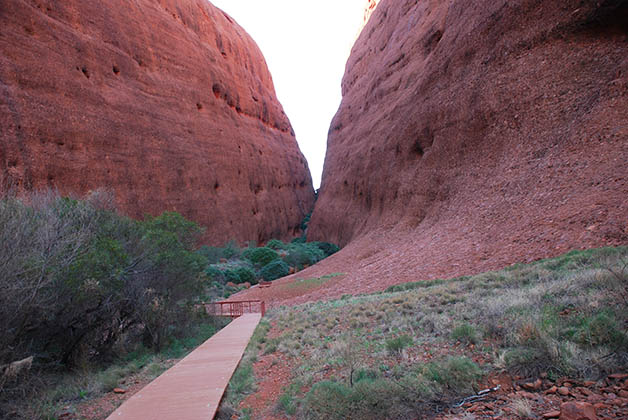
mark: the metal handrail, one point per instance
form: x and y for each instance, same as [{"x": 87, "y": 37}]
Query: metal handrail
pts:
[{"x": 235, "y": 308}]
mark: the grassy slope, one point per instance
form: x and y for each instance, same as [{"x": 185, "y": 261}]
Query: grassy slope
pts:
[{"x": 418, "y": 346}]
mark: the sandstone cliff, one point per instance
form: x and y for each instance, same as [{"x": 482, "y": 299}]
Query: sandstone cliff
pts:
[
  {"x": 169, "y": 103},
  {"x": 472, "y": 135}
]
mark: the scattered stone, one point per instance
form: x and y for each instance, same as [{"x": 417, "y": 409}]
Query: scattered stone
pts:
[
  {"x": 551, "y": 415},
  {"x": 119, "y": 391},
  {"x": 552, "y": 390},
  {"x": 576, "y": 410},
  {"x": 619, "y": 376},
  {"x": 533, "y": 386},
  {"x": 585, "y": 391},
  {"x": 623, "y": 393},
  {"x": 563, "y": 390}
]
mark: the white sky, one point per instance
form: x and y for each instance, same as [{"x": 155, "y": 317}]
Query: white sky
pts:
[{"x": 306, "y": 45}]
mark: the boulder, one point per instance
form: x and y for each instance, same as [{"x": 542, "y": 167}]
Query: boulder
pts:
[
  {"x": 473, "y": 135},
  {"x": 167, "y": 103}
]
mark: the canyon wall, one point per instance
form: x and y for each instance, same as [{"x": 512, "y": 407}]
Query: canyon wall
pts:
[
  {"x": 472, "y": 135},
  {"x": 168, "y": 103}
]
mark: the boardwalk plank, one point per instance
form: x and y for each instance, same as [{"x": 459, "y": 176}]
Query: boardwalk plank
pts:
[{"x": 192, "y": 389}]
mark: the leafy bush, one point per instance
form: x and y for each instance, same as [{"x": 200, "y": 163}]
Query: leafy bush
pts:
[
  {"x": 601, "y": 329},
  {"x": 457, "y": 374},
  {"x": 275, "y": 270},
  {"x": 260, "y": 256},
  {"x": 275, "y": 244},
  {"x": 215, "y": 274},
  {"x": 240, "y": 275},
  {"x": 303, "y": 254},
  {"x": 211, "y": 253},
  {"x": 231, "y": 250},
  {"x": 397, "y": 344},
  {"x": 79, "y": 279},
  {"x": 328, "y": 400},
  {"x": 327, "y": 248}
]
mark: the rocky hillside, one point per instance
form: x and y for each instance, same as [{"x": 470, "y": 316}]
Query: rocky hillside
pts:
[
  {"x": 471, "y": 136},
  {"x": 169, "y": 103}
]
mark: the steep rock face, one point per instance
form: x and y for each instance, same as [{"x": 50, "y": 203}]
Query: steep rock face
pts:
[
  {"x": 476, "y": 134},
  {"x": 169, "y": 103}
]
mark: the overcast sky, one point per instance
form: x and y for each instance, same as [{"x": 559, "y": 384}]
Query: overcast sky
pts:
[{"x": 306, "y": 45}]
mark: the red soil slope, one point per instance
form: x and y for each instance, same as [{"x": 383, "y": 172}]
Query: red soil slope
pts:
[
  {"x": 473, "y": 135},
  {"x": 169, "y": 103}
]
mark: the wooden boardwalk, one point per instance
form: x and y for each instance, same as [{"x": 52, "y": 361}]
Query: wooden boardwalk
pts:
[{"x": 192, "y": 389}]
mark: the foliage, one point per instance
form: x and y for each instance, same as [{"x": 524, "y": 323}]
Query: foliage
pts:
[
  {"x": 240, "y": 275},
  {"x": 260, "y": 256},
  {"x": 275, "y": 244},
  {"x": 274, "y": 270},
  {"x": 465, "y": 333},
  {"x": 397, "y": 344},
  {"x": 78, "y": 278},
  {"x": 563, "y": 316},
  {"x": 327, "y": 247},
  {"x": 301, "y": 254}
]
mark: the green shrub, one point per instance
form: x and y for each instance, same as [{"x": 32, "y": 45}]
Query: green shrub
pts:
[
  {"x": 465, "y": 333},
  {"x": 275, "y": 244},
  {"x": 601, "y": 329},
  {"x": 215, "y": 274},
  {"x": 239, "y": 275},
  {"x": 260, "y": 256},
  {"x": 78, "y": 273},
  {"x": 457, "y": 374},
  {"x": 274, "y": 270},
  {"x": 397, "y": 344},
  {"x": 303, "y": 254},
  {"x": 231, "y": 250},
  {"x": 328, "y": 400},
  {"x": 212, "y": 253},
  {"x": 327, "y": 248},
  {"x": 287, "y": 403}
]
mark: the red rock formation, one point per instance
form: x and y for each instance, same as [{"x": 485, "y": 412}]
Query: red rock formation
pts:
[
  {"x": 472, "y": 135},
  {"x": 167, "y": 102}
]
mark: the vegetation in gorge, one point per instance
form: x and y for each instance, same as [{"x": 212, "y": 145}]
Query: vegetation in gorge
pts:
[
  {"x": 233, "y": 268},
  {"x": 84, "y": 286},
  {"x": 418, "y": 347}
]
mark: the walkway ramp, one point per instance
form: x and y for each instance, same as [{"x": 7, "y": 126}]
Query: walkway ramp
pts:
[{"x": 192, "y": 389}]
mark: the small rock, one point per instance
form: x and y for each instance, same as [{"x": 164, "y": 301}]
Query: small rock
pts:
[
  {"x": 576, "y": 410},
  {"x": 585, "y": 391},
  {"x": 588, "y": 383},
  {"x": 619, "y": 376},
  {"x": 543, "y": 375},
  {"x": 533, "y": 386},
  {"x": 552, "y": 390},
  {"x": 119, "y": 391},
  {"x": 526, "y": 394},
  {"x": 563, "y": 390},
  {"x": 551, "y": 415},
  {"x": 594, "y": 398},
  {"x": 600, "y": 406}
]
